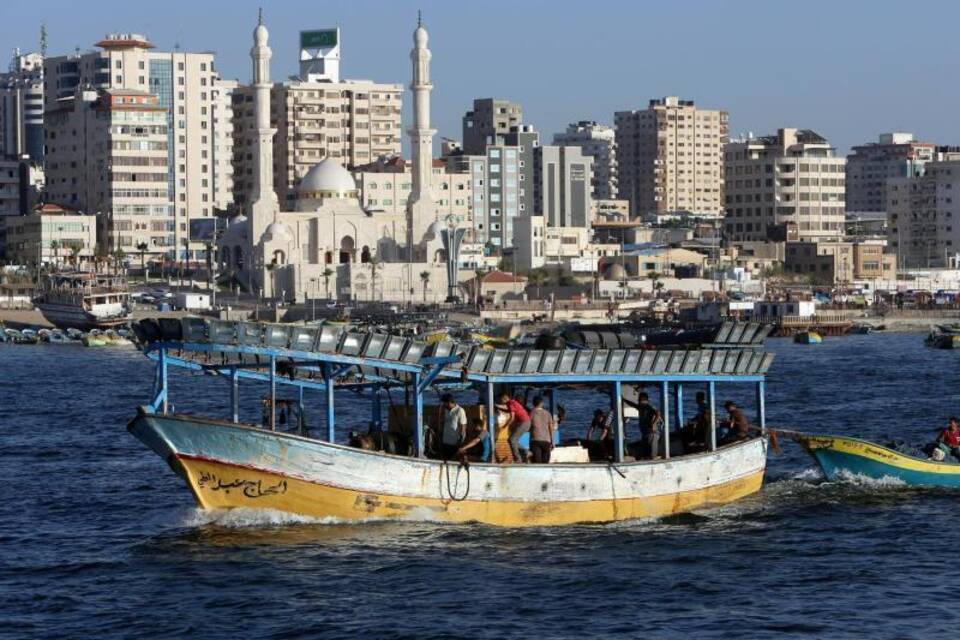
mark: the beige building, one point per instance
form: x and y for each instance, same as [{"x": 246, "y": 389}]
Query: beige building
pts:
[
  {"x": 354, "y": 122},
  {"x": 670, "y": 158},
  {"x": 599, "y": 142},
  {"x": 923, "y": 216},
  {"x": 835, "y": 261},
  {"x": 55, "y": 235},
  {"x": 184, "y": 86},
  {"x": 107, "y": 154},
  {"x": 792, "y": 179}
]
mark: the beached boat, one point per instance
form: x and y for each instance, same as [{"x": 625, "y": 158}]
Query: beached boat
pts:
[
  {"x": 228, "y": 464},
  {"x": 842, "y": 456},
  {"x": 943, "y": 340},
  {"x": 84, "y": 300},
  {"x": 808, "y": 337}
]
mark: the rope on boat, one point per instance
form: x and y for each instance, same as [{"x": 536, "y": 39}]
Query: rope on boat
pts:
[{"x": 450, "y": 492}]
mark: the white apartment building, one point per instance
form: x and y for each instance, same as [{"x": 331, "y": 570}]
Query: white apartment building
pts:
[
  {"x": 924, "y": 217},
  {"x": 184, "y": 85},
  {"x": 107, "y": 153},
  {"x": 21, "y": 107},
  {"x": 386, "y": 186},
  {"x": 599, "y": 142},
  {"x": 52, "y": 235},
  {"x": 670, "y": 158},
  {"x": 562, "y": 193},
  {"x": 222, "y": 137},
  {"x": 539, "y": 245},
  {"x": 785, "y": 186},
  {"x": 354, "y": 121}
]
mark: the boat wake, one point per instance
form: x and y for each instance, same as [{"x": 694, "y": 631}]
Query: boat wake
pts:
[{"x": 242, "y": 518}]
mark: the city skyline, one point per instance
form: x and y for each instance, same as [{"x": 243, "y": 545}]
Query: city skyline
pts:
[{"x": 846, "y": 88}]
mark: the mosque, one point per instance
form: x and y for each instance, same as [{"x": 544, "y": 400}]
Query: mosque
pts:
[{"x": 330, "y": 246}]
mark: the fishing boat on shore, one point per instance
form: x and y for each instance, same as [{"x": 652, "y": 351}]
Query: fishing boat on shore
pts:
[
  {"x": 227, "y": 463},
  {"x": 841, "y": 456},
  {"x": 83, "y": 300}
]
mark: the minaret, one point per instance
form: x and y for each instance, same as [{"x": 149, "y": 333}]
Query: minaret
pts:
[
  {"x": 264, "y": 205},
  {"x": 421, "y": 210}
]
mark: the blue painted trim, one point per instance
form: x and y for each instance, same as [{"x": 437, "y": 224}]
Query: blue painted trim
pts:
[{"x": 618, "y": 420}]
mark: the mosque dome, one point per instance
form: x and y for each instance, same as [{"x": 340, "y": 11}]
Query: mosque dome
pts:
[
  {"x": 277, "y": 232},
  {"x": 328, "y": 179}
]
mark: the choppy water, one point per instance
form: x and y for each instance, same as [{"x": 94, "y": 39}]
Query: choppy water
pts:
[{"x": 98, "y": 539}]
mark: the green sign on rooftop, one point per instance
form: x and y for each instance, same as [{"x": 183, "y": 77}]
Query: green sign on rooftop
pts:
[{"x": 318, "y": 39}]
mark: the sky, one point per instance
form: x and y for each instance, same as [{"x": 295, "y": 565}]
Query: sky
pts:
[{"x": 849, "y": 69}]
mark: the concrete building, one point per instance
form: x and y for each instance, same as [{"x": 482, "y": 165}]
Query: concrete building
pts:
[
  {"x": 573, "y": 248},
  {"x": 488, "y": 123},
  {"x": 21, "y": 108},
  {"x": 924, "y": 216},
  {"x": 21, "y": 183},
  {"x": 599, "y": 142},
  {"x": 670, "y": 158},
  {"x": 53, "y": 234},
  {"x": 562, "y": 193},
  {"x": 222, "y": 137},
  {"x": 785, "y": 186},
  {"x": 872, "y": 165},
  {"x": 107, "y": 153},
  {"x": 835, "y": 261},
  {"x": 386, "y": 186},
  {"x": 184, "y": 85}
]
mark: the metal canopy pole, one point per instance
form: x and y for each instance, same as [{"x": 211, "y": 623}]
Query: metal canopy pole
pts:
[
  {"x": 163, "y": 378},
  {"x": 417, "y": 417},
  {"x": 330, "y": 410},
  {"x": 762, "y": 407},
  {"x": 712, "y": 393},
  {"x": 491, "y": 421},
  {"x": 664, "y": 410},
  {"x": 678, "y": 409},
  {"x": 618, "y": 420},
  {"x": 273, "y": 393},
  {"x": 235, "y": 394}
]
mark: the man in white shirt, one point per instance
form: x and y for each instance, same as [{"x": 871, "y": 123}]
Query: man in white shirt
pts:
[{"x": 453, "y": 426}]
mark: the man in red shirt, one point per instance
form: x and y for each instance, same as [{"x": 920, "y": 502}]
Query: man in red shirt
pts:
[
  {"x": 950, "y": 437},
  {"x": 519, "y": 423}
]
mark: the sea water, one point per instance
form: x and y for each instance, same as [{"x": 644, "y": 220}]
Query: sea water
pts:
[{"x": 99, "y": 539}]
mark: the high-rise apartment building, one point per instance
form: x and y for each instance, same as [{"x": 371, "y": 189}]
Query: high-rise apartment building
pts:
[
  {"x": 871, "y": 166},
  {"x": 489, "y": 122},
  {"x": 599, "y": 142},
  {"x": 386, "y": 185},
  {"x": 670, "y": 158},
  {"x": 923, "y": 217},
  {"x": 184, "y": 85},
  {"x": 222, "y": 137},
  {"x": 562, "y": 192},
  {"x": 354, "y": 121},
  {"x": 786, "y": 185},
  {"x": 21, "y": 108},
  {"x": 107, "y": 153}
]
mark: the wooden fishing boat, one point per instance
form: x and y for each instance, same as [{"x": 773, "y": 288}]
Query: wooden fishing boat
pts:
[
  {"x": 84, "y": 300},
  {"x": 839, "y": 456},
  {"x": 228, "y": 464}
]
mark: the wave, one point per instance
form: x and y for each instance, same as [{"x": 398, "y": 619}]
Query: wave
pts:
[{"x": 245, "y": 518}]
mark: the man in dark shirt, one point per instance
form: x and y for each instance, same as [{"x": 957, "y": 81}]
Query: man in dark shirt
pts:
[
  {"x": 651, "y": 423},
  {"x": 737, "y": 424}
]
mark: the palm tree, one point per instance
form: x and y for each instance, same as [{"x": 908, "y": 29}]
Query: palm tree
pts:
[
  {"x": 375, "y": 265},
  {"x": 74, "y": 255},
  {"x": 479, "y": 274},
  {"x": 55, "y": 246},
  {"x": 326, "y": 280},
  {"x": 142, "y": 248},
  {"x": 425, "y": 279},
  {"x": 657, "y": 285},
  {"x": 538, "y": 278}
]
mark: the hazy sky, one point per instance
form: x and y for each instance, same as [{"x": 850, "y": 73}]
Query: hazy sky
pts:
[{"x": 848, "y": 69}]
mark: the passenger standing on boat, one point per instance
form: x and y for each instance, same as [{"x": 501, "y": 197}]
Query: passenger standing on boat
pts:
[
  {"x": 542, "y": 428},
  {"x": 737, "y": 425},
  {"x": 478, "y": 446},
  {"x": 453, "y": 424},
  {"x": 519, "y": 423},
  {"x": 603, "y": 425},
  {"x": 949, "y": 438},
  {"x": 695, "y": 433},
  {"x": 651, "y": 423}
]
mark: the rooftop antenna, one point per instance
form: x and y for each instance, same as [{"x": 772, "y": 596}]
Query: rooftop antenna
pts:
[{"x": 43, "y": 40}]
